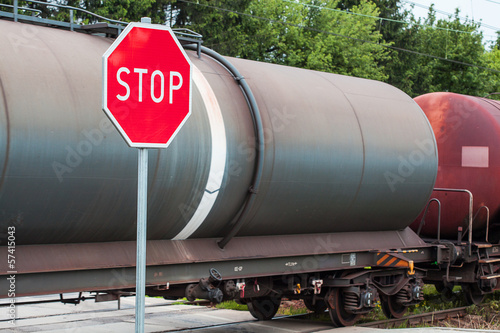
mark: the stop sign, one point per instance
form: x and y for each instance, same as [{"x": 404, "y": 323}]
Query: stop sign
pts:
[{"x": 147, "y": 85}]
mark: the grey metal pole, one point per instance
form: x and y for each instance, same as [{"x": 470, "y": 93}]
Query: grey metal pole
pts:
[
  {"x": 71, "y": 20},
  {"x": 142, "y": 204},
  {"x": 15, "y": 10},
  {"x": 142, "y": 217}
]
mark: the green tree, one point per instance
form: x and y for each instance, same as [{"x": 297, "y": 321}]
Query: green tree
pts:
[
  {"x": 310, "y": 34},
  {"x": 348, "y": 43},
  {"x": 219, "y": 21},
  {"x": 391, "y": 16},
  {"x": 492, "y": 60},
  {"x": 444, "y": 50},
  {"x": 497, "y": 42}
]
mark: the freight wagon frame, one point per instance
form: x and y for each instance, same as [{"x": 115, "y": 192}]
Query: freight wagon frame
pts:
[{"x": 250, "y": 269}]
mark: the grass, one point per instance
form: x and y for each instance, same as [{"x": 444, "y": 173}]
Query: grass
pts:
[
  {"x": 289, "y": 308},
  {"x": 180, "y": 301},
  {"x": 433, "y": 301},
  {"x": 286, "y": 309},
  {"x": 232, "y": 305}
]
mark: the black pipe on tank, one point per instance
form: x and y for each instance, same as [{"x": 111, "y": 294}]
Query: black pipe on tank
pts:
[{"x": 239, "y": 219}]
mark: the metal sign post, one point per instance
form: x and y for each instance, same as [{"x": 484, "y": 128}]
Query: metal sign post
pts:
[
  {"x": 142, "y": 213},
  {"x": 147, "y": 112},
  {"x": 142, "y": 226}
]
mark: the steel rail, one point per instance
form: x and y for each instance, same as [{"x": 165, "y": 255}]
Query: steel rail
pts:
[{"x": 428, "y": 317}]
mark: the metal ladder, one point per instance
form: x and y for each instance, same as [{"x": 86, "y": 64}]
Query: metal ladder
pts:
[{"x": 485, "y": 265}]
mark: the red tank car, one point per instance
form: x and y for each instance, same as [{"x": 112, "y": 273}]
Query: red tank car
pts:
[{"x": 467, "y": 131}]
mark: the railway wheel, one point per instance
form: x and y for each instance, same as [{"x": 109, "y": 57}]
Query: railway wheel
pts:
[
  {"x": 318, "y": 307},
  {"x": 473, "y": 295},
  {"x": 264, "y": 308},
  {"x": 391, "y": 308},
  {"x": 338, "y": 314}
]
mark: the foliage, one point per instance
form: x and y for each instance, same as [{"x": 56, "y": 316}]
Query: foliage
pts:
[
  {"x": 492, "y": 80},
  {"x": 223, "y": 30},
  {"x": 310, "y": 34},
  {"x": 444, "y": 51},
  {"x": 420, "y": 56},
  {"x": 357, "y": 54}
]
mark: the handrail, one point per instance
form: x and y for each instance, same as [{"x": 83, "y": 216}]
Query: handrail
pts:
[
  {"x": 184, "y": 35},
  {"x": 471, "y": 219},
  {"x": 487, "y": 219},
  {"x": 66, "y": 7},
  {"x": 37, "y": 11},
  {"x": 187, "y": 33},
  {"x": 493, "y": 93},
  {"x": 422, "y": 221},
  {"x": 471, "y": 203}
]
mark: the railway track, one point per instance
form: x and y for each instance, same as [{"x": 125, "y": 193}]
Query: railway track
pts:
[
  {"x": 423, "y": 318},
  {"x": 242, "y": 320}
]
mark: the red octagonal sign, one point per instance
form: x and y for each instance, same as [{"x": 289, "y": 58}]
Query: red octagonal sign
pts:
[{"x": 147, "y": 85}]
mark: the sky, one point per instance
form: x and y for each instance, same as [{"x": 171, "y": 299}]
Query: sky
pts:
[{"x": 486, "y": 11}]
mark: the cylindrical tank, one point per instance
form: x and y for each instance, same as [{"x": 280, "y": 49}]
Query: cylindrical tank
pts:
[
  {"x": 467, "y": 131},
  {"x": 340, "y": 153}
]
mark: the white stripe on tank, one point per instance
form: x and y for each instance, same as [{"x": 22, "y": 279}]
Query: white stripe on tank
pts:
[{"x": 218, "y": 160}]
